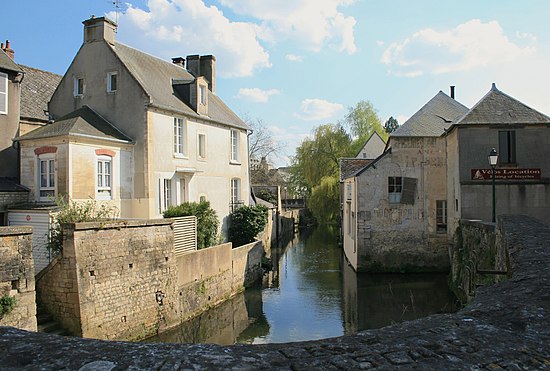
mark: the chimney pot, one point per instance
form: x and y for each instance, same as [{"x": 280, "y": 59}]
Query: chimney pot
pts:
[
  {"x": 8, "y": 50},
  {"x": 180, "y": 61},
  {"x": 453, "y": 91}
]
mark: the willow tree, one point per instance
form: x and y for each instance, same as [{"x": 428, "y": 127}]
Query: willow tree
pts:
[
  {"x": 316, "y": 166},
  {"x": 362, "y": 120}
]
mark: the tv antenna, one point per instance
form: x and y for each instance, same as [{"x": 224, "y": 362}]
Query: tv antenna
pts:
[{"x": 116, "y": 3}]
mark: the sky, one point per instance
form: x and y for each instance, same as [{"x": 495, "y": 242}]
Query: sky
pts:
[{"x": 298, "y": 64}]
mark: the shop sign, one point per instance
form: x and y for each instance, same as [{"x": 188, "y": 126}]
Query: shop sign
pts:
[{"x": 506, "y": 174}]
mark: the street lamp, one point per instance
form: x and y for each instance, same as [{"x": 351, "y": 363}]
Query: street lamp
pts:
[{"x": 493, "y": 159}]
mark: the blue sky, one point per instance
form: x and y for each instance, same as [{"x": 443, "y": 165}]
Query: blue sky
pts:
[{"x": 296, "y": 64}]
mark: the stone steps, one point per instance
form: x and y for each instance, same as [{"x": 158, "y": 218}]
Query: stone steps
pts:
[{"x": 47, "y": 324}]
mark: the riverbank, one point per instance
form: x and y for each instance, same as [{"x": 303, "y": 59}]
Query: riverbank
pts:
[{"x": 505, "y": 326}]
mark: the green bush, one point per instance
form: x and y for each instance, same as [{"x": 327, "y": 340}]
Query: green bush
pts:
[
  {"x": 7, "y": 303},
  {"x": 77, "y": 212},
  {"x": 207, "y": 220},
  {"x": 245, "y": 224}
]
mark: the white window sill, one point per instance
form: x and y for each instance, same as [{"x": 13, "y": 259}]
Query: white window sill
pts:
[
  {"x": 181, "y": 156},
  {"x": 234, "y": 162}
]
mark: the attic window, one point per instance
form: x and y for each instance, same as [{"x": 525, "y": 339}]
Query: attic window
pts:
[
  {"x": 78, "y": 86},
  {"x": 202, "y": 95},
  {"x": 112, "y": 82}
]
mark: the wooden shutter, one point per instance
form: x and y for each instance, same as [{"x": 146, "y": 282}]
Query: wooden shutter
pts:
[{"x": 409, "y": 191}]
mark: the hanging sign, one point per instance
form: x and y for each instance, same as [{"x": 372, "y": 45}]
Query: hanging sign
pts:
[{"x": 506, "y": 174}]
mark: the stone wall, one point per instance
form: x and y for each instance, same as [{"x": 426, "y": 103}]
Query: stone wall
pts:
[
  {"x": 478, "y": 257},
  {"x": 13, "y": 198},
  {"x": 122, "y": 280},
  {"x": 113, "y": 280},
  {"x": 17, "y": 276}
]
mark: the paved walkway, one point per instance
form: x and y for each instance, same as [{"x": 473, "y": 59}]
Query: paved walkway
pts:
[{"x": 506, "y": 327}]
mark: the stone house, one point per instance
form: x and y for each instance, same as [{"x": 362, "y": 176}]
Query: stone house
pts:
[
  {"x": 393, "y": 207},
  {"x": 138, "y": 132},
  {"x": 521, "y": 136}
]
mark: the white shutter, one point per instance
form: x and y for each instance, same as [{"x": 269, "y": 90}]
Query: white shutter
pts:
[{"x": 3, "y": 93}]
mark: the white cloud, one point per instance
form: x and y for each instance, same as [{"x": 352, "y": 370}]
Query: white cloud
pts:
[
  {"x": 470, "y": 46},
  {"x": 312, "y": 23},
  {"x": 317, "y": 109},
  {"x": 256, "y": 94},
  {"x": 294, "y": 58},
  {"x": 170, "y": 28}
]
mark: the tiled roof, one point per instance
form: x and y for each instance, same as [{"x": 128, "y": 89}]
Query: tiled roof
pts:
[
  {"x": 6, "y": 63},
  {"x": 498, "y": 108},
  {"x": 82, "y": 122},
  {"x": 350, "y": 166},
  {"x": 433, "y": 118},
  {"x": 156, "y": 75},
  {"x": 37, "y": 88}
]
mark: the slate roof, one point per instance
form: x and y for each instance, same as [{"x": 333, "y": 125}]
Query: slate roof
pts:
[
  {"x": 350, "y": 166},
  {"x": 37, "y": 89},
  {"x": 11, "y": 185},
  {"x": 155, "y": 77},
  {"x": 499, "y": 108},
  {"x": 433, "y": 118},
  {"x": 83, "y": 122},
  {"x": 6, "y": 63}
]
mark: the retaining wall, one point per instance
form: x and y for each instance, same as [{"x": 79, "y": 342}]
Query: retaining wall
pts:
[{"x": 17, "y": 277}]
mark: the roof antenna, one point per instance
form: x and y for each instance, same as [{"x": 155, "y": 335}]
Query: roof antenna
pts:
[{"x": 116, "y": 3}]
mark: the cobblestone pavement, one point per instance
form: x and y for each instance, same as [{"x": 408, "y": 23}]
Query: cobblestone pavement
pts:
[{"x": 506, "y": 327}]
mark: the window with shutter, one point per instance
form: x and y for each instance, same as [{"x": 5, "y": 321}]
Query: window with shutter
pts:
[
  {"x": 3, "y": 93},
  {"x": 409, "y": 190}
]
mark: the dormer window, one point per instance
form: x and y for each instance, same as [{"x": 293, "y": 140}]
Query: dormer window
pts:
[
  {"x": 112, "y": 82},
  {"x": 78, "y": 86},
  {"x": 202, "y": 95}
]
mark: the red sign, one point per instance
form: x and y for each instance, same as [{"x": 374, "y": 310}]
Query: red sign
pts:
[
  {"x": 28, "y": 217},
  {"x": 513, "y": 174}
]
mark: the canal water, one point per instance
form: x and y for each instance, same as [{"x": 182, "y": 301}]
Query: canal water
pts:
[{"x": 312, "y": 293}]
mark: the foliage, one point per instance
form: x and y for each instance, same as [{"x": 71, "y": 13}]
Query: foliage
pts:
[
  {"x": 363, "y": 121},
  {"x": 207, "y": 220},
  {"x": 324, "y": 202},
  {"x": 7, "y": 303},
  {"x": 246, "y": 223},
  {"x": 391, "y": 125},
  {"x": 267, "y": 195},
  {"x": 317, "y": 159},
  {"x": 261, "y": 142},
  {"x": 77, "y": 212}
]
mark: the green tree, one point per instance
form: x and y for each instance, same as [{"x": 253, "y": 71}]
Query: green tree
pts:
[
  {"x": 246, "y": 223},
  {"x": 316, "y": 159},
  {"x": 363, "y": 121},
  {"x": 391, "y": 125},
  {"x": 207, "y": 220},
  {"x": 324, "y": 201}
]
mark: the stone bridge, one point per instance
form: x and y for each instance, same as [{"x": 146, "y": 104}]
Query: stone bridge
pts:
[{"x": 505, "y": 327}]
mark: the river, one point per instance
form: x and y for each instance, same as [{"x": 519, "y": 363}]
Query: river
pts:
[{"x": 312, "y": 293}]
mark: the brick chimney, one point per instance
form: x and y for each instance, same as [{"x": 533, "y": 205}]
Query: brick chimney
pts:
[
  {"x": 208, "y": 70},
  {"x": 8, "y": 50},
  {"x": 99, "y": 29}
]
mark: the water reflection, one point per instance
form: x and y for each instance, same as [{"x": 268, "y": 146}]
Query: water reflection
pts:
[{"x": 312, "y": 293}]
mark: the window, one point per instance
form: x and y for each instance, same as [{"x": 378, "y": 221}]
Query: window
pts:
[
  {"x": 180, "y": 137},
  {"x": 78, "y": 86},
  {"x": 401, "y": 190},
  {"x": 235, "y": 146},
  {"x": 112, "y": 82},
  {"x": 104, "y": 178},
  {"x": 165, "y": 194},
  {"x": 46, "y": 176},
  {"x": 202, "y": 146},
  {"x": 3, "y": 93},
  {"x": 202, "y": 94},
  {"x": 441, "y": 215},
  {"x": 202, "y": 198},
  {"x": 236, "y": 201},
  {"x": 395, "y": 187},
  {"x": 507, "y": 147}
]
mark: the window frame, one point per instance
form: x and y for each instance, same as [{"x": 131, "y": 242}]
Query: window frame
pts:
[
  {"x": 395, "y": 189},
  {"x": 507, "y": 147},
  {"x": 235, "y": 190},
  {"x": 78, "y": 90},
  {"x": 441, "y": 216},
  {"x": 110, "y": 76},
  {"x": 51, "y": 176},
  {"x": 104, "y": 191},
  {"x": 179, "y": 137},
  {"x": 201, "y": 154},
  {"x": 4, "y": 95},
  {"x": 203, "y": 98},
  {"x": 235, "y": 144}
]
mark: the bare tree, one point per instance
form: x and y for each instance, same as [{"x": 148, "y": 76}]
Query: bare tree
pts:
[{"x": 261, "y": 142}]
